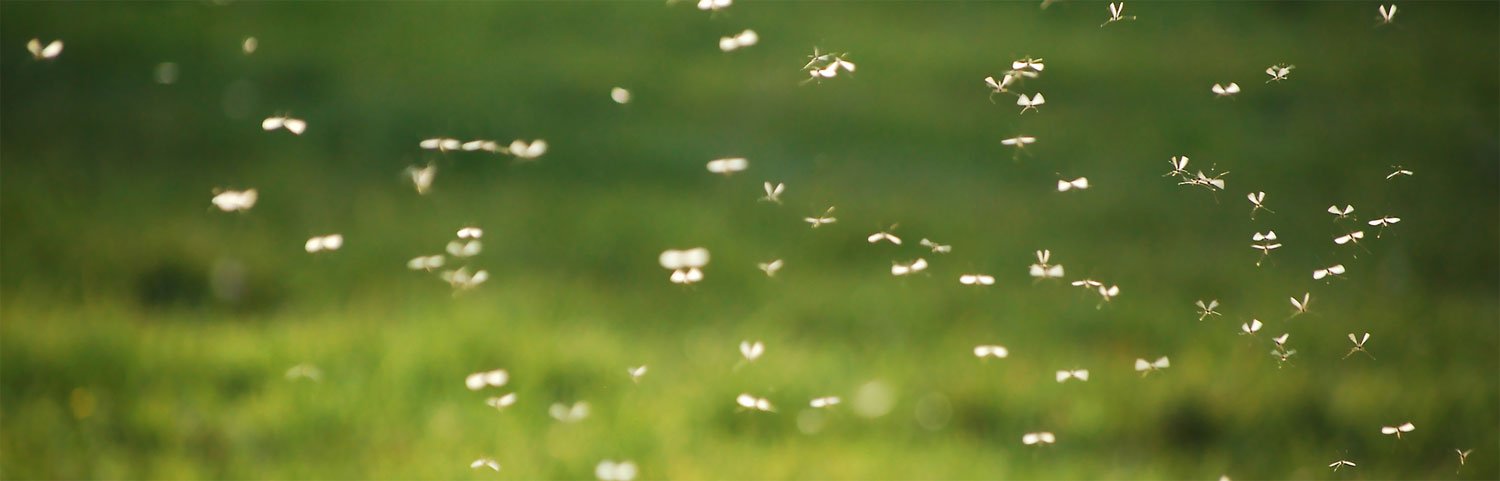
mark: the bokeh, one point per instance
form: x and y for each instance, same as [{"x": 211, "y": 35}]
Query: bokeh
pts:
[{"x": 145, "y": 334}]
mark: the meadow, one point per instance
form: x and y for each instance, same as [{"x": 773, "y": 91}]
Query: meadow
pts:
[{"x": 145, "y": 334}]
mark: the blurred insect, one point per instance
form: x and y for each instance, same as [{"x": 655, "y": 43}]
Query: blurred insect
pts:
[
  {"x": 1340, "y": 213},
  {"x": 470, "y": 233},
  {"x": 481, "y": 144},
  {"x": 425, "y": 263},
  {"x": 1463, "y": 457},
  {"x": 1207, "y": 309},
  {"x": 619, "y": 95},
  {"x": 569, "y": 414},
  {"x": 636, "y": 373},
  {"x": 826, "y": 218},
  {"x": 884, "y": 235},
  {"x": 1116, "y": 14},
  {"x": 1279, "y": 72},
  {"x": 1341, "y": 463},
  {"x": 1080, "y": 183},
  {"x": 773, "y": 192},
  {"x": 1282, "y": 355},
  {"x": 1383, "y": 222},
  {"x": 1302, "y": 305},
  {"x": 1079, "y": 374},
  {"x": 685, "y": 265},
  {"x": 235, "y": 200},
  {"x": 462, "y": 249},
  {"x": 295, "y": 126},
  {"x": 1281, "y": 340},
  {"x": 1398, "y": 172},
  {"x": 526, "y": 151},
  {"x": 1089, "y": 284},
  {"x": 421, "y": 178},
  {"x": 1359, "y": 345},
  {"x": 1019, "y": 142},
  {"x": 830, "y": 65},
  {"x": 304, "y": 371},
  {"x": 440, "y": 144},
  {"x": 1038, "y": 438},
  {"x": 770, "y": 268},
  {"x": 1042, "y": 270},
  {"x": 483, "y": 379},
  {"x": 249, "y": 44},
  {"x": 824, "y": 402},
  {"x": 915, "y": 266},
  {"x": 995, "y": 351},
  {"x": 753, "y": 403},
  {"x": 714, "y": 5},
  {"x": 1226, "y": 90},
  {"x": 1109, "y": 293},
  {"x": 936, "y": 247},
  {"x": 1251, "y": 327},
  {"x": 461, "y": 278},
  {"x": 752, "y": 350},
  {"x": 501, "y": 402},
  {"x": 738, "y": 41},
  {"x": 976, "y": 280},
  {"x": 485, "y": 463},
  {"x": 331, "y": 242},
  {"x": 1257, "y": 202},
  {"x": 1267, "y": 243},
  {"x": 1397, "y": 430},
  {"x": 1027, "y": 67},
  {"x": 1179, "y": 167},
  {"x": 1387, "y": 13},
  {"x": 48, "y": 52},
  {"x": 1333, "y": 270},
  {"x": 1145, "y": 368},
  {"x": 608, "y": 470},
  {"x": 1030, "y": 103}
]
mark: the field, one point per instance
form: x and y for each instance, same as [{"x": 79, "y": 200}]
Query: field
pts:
[{"x": 146, "y": 334}]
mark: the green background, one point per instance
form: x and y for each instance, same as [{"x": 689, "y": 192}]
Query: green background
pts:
[{"x": 117, "y": 360}]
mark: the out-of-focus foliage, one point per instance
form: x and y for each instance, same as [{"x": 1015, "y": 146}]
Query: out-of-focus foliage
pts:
[{"x": 122, "y": 357}]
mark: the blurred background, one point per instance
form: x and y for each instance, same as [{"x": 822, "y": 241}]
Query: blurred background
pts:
[{"x": 145, "y": 334}]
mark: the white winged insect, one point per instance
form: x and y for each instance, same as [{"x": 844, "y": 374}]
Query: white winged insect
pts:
[
  {"x": 425, "y": 263},
  {"x": 827, "y": 65},
  {"x": 999, "y": 86},
  {"x": 484, "y": 379},
  {"x": 1301, "y": 305},
  {"x": 770, "y": 268},
  {"x": 752, "y": 350},
  {"x": 976, "y": 280},
  {"x": 773, "y": 192},
  {"x": 47, "y": 52},
  {"x": 686, "y": 265},
  {"x": 1116, "y": 14},
  {"x": 1340, "y": 213},
  {"x": 464, "y": 248},
  {"x": 1038, "y": 438},
  {"x": 421, "y": 177},
  {"x": 1463, "y": 456},
  {"x": 249, "y": 44},
  {"x": 1089, "y": 284},
  {"x": 522, "y": 150},
  {"x": 1383, "y": 222},
  {"x": 1330, "y": 271},
  {"x": 1212, "y": 183},
  {"x": 1030, "y": 103},
  {"x": 728, "y": 166},
  {"x": 569, "y": 414},
  {"x": 1080, "y": 183},
  {"x": 1257, "y": 203},
  {"x": 936, "y": 247},
  {"x": 1352, "y": 237},
  {"x": 991, "y": 350},
  {"x": 441, "y": 144},
  {"x": 461, "y": 279},
  {"x": 1042, "y": 270},
  {"x": 608, "y": 470},
  {"x": 481, "y": 144},
  {"x": 636, "y": 373},
  {"x": 619, "y": 95},
  {"x": 1251, "y": 327},
  {"x": 898, "y": 269},
  {"x": 1144, "y": 367},
  {"x": 235, "y": 200},
  {"x": 1387, "y": 13},
  {"x": 1019, "y": 142},
  {"x": 884, "y": 235},
  {"x": 1206, "y": 309},
  {"x": 1109, "y": 293},
  {"x": 714, "y": 5},
  {"x": 750, "y": 402},
  {"x": 304, "y": 371},
  {"x": 1027, "y": 67},
  {"x": 1226, "y": 90},
  {"x": 1279, "y": 72},
  {"x": 738, "y": 41},
  {"x": 295, "y": 126},
  {"x": 1341, "y": 463},
  {"x": 1359, "y": 345},
  {"x": 485, "y": 463},
  {"x": 826, "y": 218},
  {"x": 1398, "y": 430},
  {"x": 470, "y": 232},
  {"x": 499, "y": 403},
  {"x": 825, "y": 402},
  {"x": 1079, "y": 374},
  {"x": 1179, "y": 167},
  {"x": 1281, "y": 340},
  {"x": 1400, "y": 171},
  {"x": 331, "y": 242},
  {"x": 1265, "y": 242}
]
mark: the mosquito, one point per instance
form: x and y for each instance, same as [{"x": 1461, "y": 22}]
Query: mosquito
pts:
[
  {"x": 936, "y": 247},
  {"x": 773, "y": 192},
  {"x": 1383, "y": 222},
  {"x": 1257, "y": 203},
  {"x": 1030, "y": 103},
  {"x": 1302, "y": 305},
  {"x": 884, "y": 235},
  {"x": 1116, "y": 14},
  {"x": 1042, "y": 270},
  {"x": 826, "y": 218},
  {"x": 1266, "y": 242},
  {"x": 1179, "y": 167},
  {"x": 1359, "y": 345},
  {"x": 1207, "y": 309},
  {"x": 1279, "y": 72}
]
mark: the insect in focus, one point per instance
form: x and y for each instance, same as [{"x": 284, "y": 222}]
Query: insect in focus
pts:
[
  {"x": 1116, "y": 14},
  {"x": 826, "y": 218},
  {"x": 686, "y": 265},
  {"x": 1207, "y": 309},
  {"x": 884, "y": 235},
  {"x": 331, "y": 242},
  {"x": 1000, "y": 85},
  {"x": 569, "y": 414},
  {"x": 1398, "y": 172},
  {"x": 1301, "y": 305},
  {"x": 752, "y": 350},
  {"x": 235, "y": 200},
  {"x": 1042, "y": 270},
  {"x": 898, "y": 269},
  {"x": 753, "y": 403},
  {"x": 738, "y": 41},
  {"x": 1027, "y": 67},
  {"x": 1145, "y": 368},
  {"x": 773, "y": 192},
  {"x": 1267, "y": 243},
  {"x": 485, "y": 463},
  {"x": 1279, "y": 72},
  {"x": 1333, "y": 270},
  {"x": 826, "y": 401},
  {"x": 1352, "y": 237},
  {"x": 1281, "y": 340},
  {"x": 1257, "y": 202},
  {"x": 1397, "y": 430},
  {"x": 483, "y": 379},
  {"x": 770, "y": 268},
  {"x": 1080, "y": 183},
  {"x": 48, "y": 52},
  {"x": 295, "y": 126},
  {"x": 1030, "y": 103},
  {"x": 1340, "y": 213},
  {"x": 1079, "y": 374},
  {"x": 1038, "y": 438},
  {"x": 991, "y": 350},
  {"x": 1359, "y": 345},
  {"x": 501, "y": 402},
  {"x": 1383, "y": 222},
  {"x": 1179, "y": 167},
  {"x": 936, "y": 247},
  {"x": 976, "y": 280}
]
